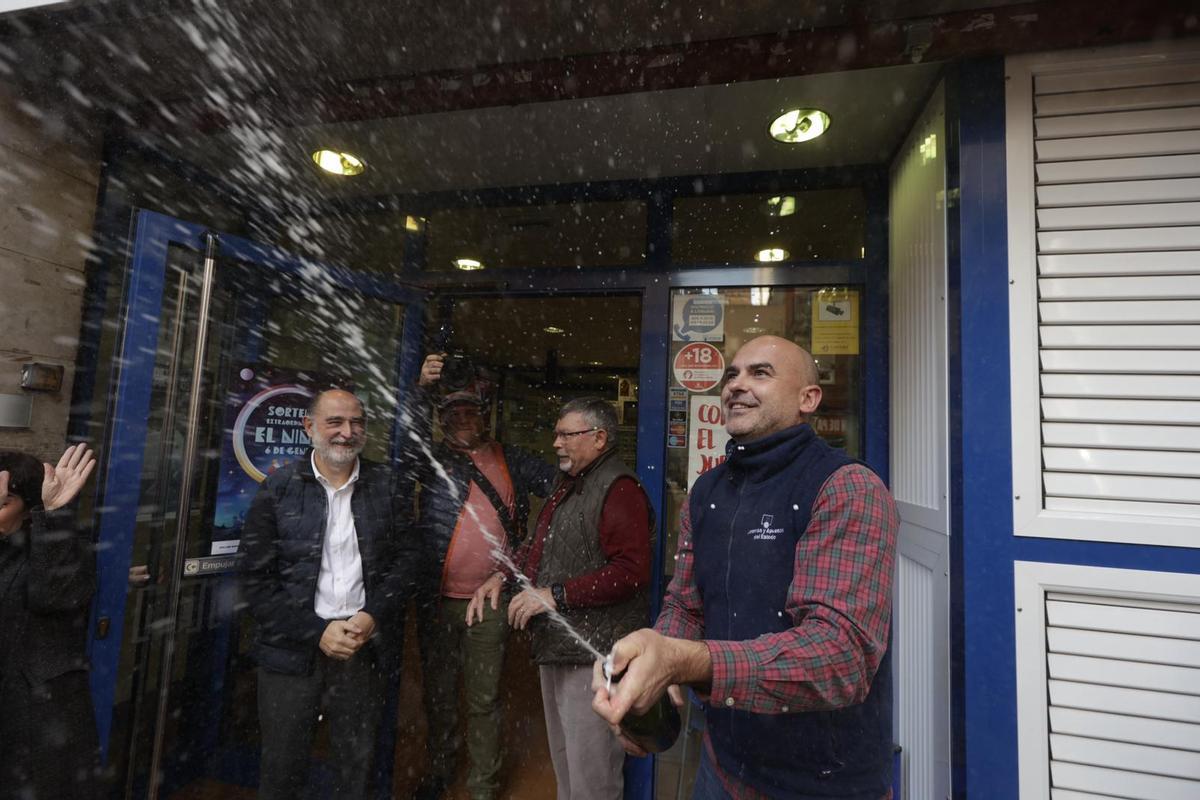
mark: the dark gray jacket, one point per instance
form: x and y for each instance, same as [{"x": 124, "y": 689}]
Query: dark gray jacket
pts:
[
  {"x": 47, "y": 578},
  {"x": 282, "y": 540}
]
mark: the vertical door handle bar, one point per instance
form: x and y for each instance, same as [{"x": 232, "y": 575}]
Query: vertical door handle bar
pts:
[
  {"x": 195, "y": 398},
  {"x": 152, "y": 562}
]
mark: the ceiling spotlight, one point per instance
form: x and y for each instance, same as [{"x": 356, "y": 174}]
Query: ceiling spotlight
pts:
[
  {"x": 468, "y": 264},
  {"x": 553, "y": 329},
  {"x": 781, "y": 206},
  {"x": 336, "y": 162},
  {"x": 771, "y": 254},
  {"x": 799, "y": 125}
]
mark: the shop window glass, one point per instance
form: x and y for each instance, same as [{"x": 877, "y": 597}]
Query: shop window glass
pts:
[
  {"x": 827, "y": 224},
  {"x": 598, "y": 234}
]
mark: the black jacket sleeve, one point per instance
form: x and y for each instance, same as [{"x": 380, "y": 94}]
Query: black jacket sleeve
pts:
[
  {"x": 62, "y": 563},
  {"x": 59, "y": 585},
  {"x": 278, "y": 615}
]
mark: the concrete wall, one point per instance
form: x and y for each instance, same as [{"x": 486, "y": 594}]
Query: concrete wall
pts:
[{"x": 47, "y": 202}]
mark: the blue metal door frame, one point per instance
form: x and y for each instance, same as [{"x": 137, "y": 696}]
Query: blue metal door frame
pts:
[
  {"x": 154, "y": 235},
  {"x": 983, "y": 545}
]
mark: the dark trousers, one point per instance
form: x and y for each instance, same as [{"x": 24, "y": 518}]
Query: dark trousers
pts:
[
  {"x": 450, "y": 649},
  {"x": 48, "y": 747},
  {"x": 289, "y": 706},
  {"x": 708, "y": 785}
]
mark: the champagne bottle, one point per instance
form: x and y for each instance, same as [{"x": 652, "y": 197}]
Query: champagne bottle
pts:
[{"x": 657, "y": 729}]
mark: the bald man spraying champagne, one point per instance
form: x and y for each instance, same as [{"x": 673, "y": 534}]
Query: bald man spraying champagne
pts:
[{"x": 779, "y": 610}]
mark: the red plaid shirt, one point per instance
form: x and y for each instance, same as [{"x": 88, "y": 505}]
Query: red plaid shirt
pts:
[{"x": 840, "y": 602}]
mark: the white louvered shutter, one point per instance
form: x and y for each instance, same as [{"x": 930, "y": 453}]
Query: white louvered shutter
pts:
[
  {"x": 1104, "y": 222},
  {"x": 1108, "y": 683},
  {"x": 1124, "y": 698}
]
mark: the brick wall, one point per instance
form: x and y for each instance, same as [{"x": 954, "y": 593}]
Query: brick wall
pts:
[{"x": 47, "y": 203}]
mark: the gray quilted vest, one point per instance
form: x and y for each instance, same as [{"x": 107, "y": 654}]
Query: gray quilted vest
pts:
[{"x": 573, "y": 548}]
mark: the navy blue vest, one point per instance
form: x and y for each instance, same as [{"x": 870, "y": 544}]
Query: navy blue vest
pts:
[{"x": 747, "y": 516}]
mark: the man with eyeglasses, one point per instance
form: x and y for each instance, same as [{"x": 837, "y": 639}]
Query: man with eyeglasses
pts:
[
  {"x": 329, "y": 562},
  {"x": 588, "y": 561}
]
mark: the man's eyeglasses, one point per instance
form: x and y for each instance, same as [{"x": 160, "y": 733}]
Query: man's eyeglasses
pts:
[{"x": 569, "y": 434}]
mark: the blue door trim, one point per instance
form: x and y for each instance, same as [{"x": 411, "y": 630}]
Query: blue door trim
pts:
[
  {"x": 985, "y": 736},
  {"x": 117, "y": 514},
  {"x": 154, "y": 235},
  {"x": 122, "y": 485}
]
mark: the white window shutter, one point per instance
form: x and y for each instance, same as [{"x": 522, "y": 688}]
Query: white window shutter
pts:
[
  {"x": 1104, "y": 261},
  {"x": 1108, "y": 694}
]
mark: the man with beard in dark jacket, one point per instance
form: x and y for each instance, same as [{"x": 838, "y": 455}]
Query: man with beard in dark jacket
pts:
[
  {"x": 473, "y": 504},
  {"x": 329, "y": 564}
]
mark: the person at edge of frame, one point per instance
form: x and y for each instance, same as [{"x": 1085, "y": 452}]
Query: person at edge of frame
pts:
[
  {"x": 589, "y": 560},
  {"x": 48, "y": 744},
  {"x": 779, "y": 610},
  {"x": 329, "y": 563}
]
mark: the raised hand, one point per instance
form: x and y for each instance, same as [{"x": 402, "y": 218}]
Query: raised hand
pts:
[
  {"x": 62, "y": 483},
  {"x": 431, "y": 369}
]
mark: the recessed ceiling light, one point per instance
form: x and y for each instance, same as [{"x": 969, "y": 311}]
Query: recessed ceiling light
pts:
[
  {"x": 553, "y": 329},
  {"x": 337, "y": 162},
  {"x": 799, "y": 125},
  {"x": 781, "y": 206},
  {"x": 754, "y": 329},
  {"x": 468, "y": 264},
  {"x": 771, "y": 254}
]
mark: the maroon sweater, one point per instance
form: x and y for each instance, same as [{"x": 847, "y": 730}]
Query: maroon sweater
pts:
[{"x": 624, "y": 538}]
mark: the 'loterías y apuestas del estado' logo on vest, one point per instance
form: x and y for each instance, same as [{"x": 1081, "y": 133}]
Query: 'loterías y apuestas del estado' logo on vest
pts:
[{"x": 765, "y": 531}]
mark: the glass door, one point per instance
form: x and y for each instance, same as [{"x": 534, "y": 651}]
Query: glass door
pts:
[
  {"x": 526, "y": 355},
  {"x": 224, "y": 342}
]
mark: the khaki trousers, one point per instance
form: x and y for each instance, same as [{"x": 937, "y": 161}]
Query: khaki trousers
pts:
[{"x": 588, "y": 760}]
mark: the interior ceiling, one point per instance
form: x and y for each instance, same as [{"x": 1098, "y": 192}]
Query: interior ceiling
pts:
[{"x": 701, "y": 131}]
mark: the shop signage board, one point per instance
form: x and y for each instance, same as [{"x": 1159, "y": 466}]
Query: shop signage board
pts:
[
  {"x": 698, "y": 319},
  {"x": 706, "y": 437},
  {"x": 677, "y": 403},
  {"x": 835, "y": 322},
  {"x": 264, "y": 430},
  {"x": 699, "y": 366}
]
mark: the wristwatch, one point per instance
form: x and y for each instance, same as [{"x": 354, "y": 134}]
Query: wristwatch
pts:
[{"x": 559, "y": 594}]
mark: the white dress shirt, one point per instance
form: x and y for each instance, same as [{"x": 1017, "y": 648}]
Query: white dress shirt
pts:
[{"x": 340, "y": 590}]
